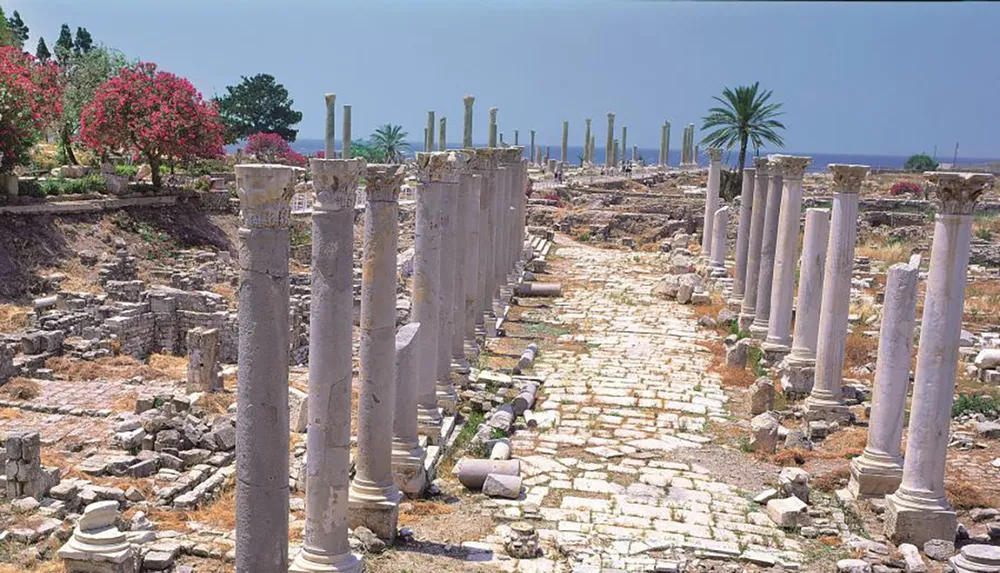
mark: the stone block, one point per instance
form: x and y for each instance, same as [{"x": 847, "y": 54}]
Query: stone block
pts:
[
  {"x": 764, "y": 433},
  {"x": 499, "y": 485},
  {"x": 794, "y": 482},
  {"x": 298, "y": 406},
  {"x": 788, "y": 512},
  {"x": 761, "y": 396}
]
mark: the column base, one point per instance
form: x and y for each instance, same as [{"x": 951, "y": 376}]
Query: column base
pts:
[
  {"x": 912, "y": 520},
  {"x": 429, "y": 423},
  {"x": 459, "y": 364},
  {"x": 775, "y": 352},
  {"x": 826, "y": 410},
  {"x": 735, "y": 301},
  {"x": 408, "y": 469},
  {"x": 376, "y": 508},
  {"x": 447, "y": 399},
  {"x": 306, "y": 562},
  {"x": 797, "y": 375},
  {"x": 471, "y": 348},
  {"x": 758, "y": 330},
  {"x": 744, "y": 320},
  {"x": 872, "y": 477},
  {"x": 490, "y": 324}
]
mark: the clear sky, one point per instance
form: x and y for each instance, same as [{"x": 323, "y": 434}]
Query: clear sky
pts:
[{"x": 888, "y": 78}]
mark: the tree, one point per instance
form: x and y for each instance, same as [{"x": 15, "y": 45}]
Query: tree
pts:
[
  {"x": 84, "y": 43},
  {"x": 151, "y": 113},
  {"x": 390, "y": 141},
  {"x": 8, "y": 37},
  {"x": 82, "y": 75},
  {"x": 257, "y": 104},
  {"x": 747, "y": 117},
  {"x": 42, "y": 51},
  {"x": 30, "y": 99},
  {"x": 920, "y": 162},
  {"x": 19, "y": 28},
  {"x": 272, "y": 148},
  {"x": 64, "y": 45}
]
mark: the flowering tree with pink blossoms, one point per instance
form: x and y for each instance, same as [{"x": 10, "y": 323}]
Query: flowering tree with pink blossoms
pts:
[{"x": 30, "y": 100}]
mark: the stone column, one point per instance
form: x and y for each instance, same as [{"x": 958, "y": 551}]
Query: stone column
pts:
[
  {"x": 609, "y": 146},
  {"x": 484, "y": 163},
  {"x": 445, "y": 389},
  {"x": 374, "y": 497},
  {"x": 765, "y": 273},
  {"x": 919, "y": 511},
  {"x": 471, "y": 264},
  {"x": 748, "y": 308},
  {"x": 624, "y": 146},
  {"x": 346, "y": 146},
  {"x": 593, "y": 147},
  {"x": 779, "y": 327},
  {"x": 824, "y": 402},
  {"x": 696, "y": 155},
  {"x": 330, "y": 147},
  {"x": 500, "y": 234},
  {"x": 586, "y": 143},
  {"x": 262, "y": 381},
  {"x": 719, "y": 227},
  {"x": 614, "y": 160},
  {"x": 878, "y": 471},
  {"x": 665, "y": 144},
  {"x": 517, "y": 136},
  {"x": 463, "y": 227},
  {"x": 493, "y": 128},
  {"x": 407, "y": 455},
  {"x": 531, "y": 157},
  {"x": 799, "y": 368},
  {"x": 565, "y": 141},
  {"x": 743, "y": 237},
  {"x": 429, "y": 131},
  {"x": 426, "y": 284},
  {"x": 711, "y": 200},
  {"x": 442, "y": 133},
  {"x": 467, "y": 126},
  {"x": 331, "y": 321}
]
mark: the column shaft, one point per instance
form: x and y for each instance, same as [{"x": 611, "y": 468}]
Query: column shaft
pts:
[
  {"x": 426, "y": 283},
  {"x": 609, "y": 146},
  {"x": 748, "y": 308},
  {"x": 743, "y": 236},
  {"x": 464, "y": 232},
  {"x": 711, "y": 200},
  {"x": 446, "y": 396},
  {"x": 779, "y": 333},
  {"x": 471, "y": 268},
  {"x": 765, "y": 273},
  {"x": 467, "y": 124},
  {"x": 719, "y": 228}
]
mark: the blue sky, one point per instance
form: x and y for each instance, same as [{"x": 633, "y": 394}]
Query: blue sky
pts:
[{"x": 888, "y": 78}]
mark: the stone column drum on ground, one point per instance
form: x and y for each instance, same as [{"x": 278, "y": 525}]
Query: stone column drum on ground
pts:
[
  {"x": 825, "y": 402},
  {"x": 919, "y": 511},
  {"x": 374, "y": 497},
  {"x": 747, "y": 309},
  {"x": 452, "y": 165},
  {"x": 720, "y": 224},
  {"x": 426, "y": 283},
  {"x": 711, "y": 200},
  {"x": 743, "y": 237},
  {"x": 878, "y": 471},
  {"x": 463, "y": 226},
  {"x": 331, "y": 322},
  {"x": 262, "y": 382},
  {"x": 779, "y": 327},
  {"x": 407, "y": 455},
  {"x": 765, "y": 271},
  {"x": 798, "y": 369}
]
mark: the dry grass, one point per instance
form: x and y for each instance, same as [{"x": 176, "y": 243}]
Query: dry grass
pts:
[
  {"x": 67, "y": 469},
  {"x": 411, "y": 511},
  {"x": 965, "y": 494},
  {"x": 78, "y": 277},
  {"x": 859, "y": 349},
  {"x": 841, "y": 445},
  {"x": 9, "y": 414},
  {"x": 125, "y": 402},
  {"x": 54, "y": 566},
  {"x": 225, "y": 290},
  {"x": 832, "y": 480},
  {"x": 21, "y": 389},
  {"x": 13, "y": 317},
  {"x": 172, "y": 366},
  {"x": 110, "y": 368},
  {"x": 889, "y": 253},
  {"x": 220, "y": 513},
  {"x": 215, "y": 402},
  {"x": 982, "y": 299}
]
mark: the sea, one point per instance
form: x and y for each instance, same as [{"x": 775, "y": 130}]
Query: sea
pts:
[{"x": 820, "y": 161}]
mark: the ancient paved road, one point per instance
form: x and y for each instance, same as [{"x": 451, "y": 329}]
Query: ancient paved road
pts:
[{"x": 603, "y": 479}]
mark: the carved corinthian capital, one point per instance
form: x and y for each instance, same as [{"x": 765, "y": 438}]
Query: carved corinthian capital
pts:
[
  {"x": 382, "y": 183},
  {"x": 264, "y": 192},
  {"x": 335, "y": 182},
  {"x": 847, "y": 178},
  {"x": 958, "y": 192},
  {"x": 714, "y": 153},
  {"x": 790, "y": 167}
]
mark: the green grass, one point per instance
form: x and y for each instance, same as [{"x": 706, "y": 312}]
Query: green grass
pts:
[{"x": 975, "y": 404}]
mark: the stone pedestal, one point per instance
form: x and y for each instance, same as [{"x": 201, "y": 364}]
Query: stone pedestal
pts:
[
  {"x": 262, "y": 382},
  {"x": 825, "y": 402},
  {"x": 749, "y": 305},
  {"x": 879, "y": 469},
  {"x": 743, "y": 238},
  {"x": 976, "y": 558},
  {"x": 799, "y": 369},
  {"x": 331, "y": 322},
  {"x": 919, "y": 510},
  {"x": 407, "y": 455},
  {"x": 765, "y": 272},
  {"x": 779, "y": 326},
  {"x": 97, "y": 546},
  {"x": 720, "y": 222},
  {"x": 203, "y": 345},
  {"x": 711, "y": 201},
  {"x": 374, "y": 498},
  {"x": 426, "y": 283}
]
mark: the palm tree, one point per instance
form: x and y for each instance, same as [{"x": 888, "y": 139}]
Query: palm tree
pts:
[
  {"x": 745, "y": 116},
  {"x": 390, "y": 141}
]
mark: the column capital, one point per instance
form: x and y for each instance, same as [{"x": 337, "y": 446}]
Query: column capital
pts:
[
  {"x": 958, "y": 192},
  {"x": 847, "y": 178},
  {"x": 493, "y": 113},
  {"x": 469, "y": 100},
  {"x": 382, "y": 182},
  {"x": 762, "y": 165},
  {"x": 791, "y": 167},
  {"x": 484, "y": 159},
  {"x": 330, "y": 98},
  {"x": 714, "y": 153},
  {"x": 511, "y": 155},
  {"x": 335, "y": 182},
  {"x": 749, "y": 172},
  {"x": 442, "y": 166},
  {"x": 611, "y": 115},
  {"x": 264, "y": 192}
]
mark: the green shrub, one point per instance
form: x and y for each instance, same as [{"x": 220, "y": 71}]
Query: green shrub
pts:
[
  {"x": 975, "y": 404},
  {"x": 30, "y": 188},
  {"x": 126, "y": 170},
  {"x": 920, "y": 162}
]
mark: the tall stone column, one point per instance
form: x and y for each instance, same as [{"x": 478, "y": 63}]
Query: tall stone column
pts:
[
  {"x": 531, "y": 157},
  {"x": 374, "y": 497},
  {"x": 484, "y": 164},
  {"x": 615, "y": 155},
  {"x": 429, "y": 130},
  {"x": 346, "y": 146},
  {"x": 799, "y": 368},
  {"x": 624, "y": 146},
  {"x": 711, "y": 200},
  {"x": 426, "y": 284},
  {"x": 824, "y": 402},
  {"x": 262, "y": 380},
  {"x": 665, "y": 144},
  {"x": 779, "y": 327},
  {"x": 586, "y": 143},
  {"x": 565, "y": 142},
  {"x": 330, "y": 142},
  {"x": 407, "y": 455},
  {"x": 719, "y": 225},
  {"x": 463, "y": 226},
  {"x": 878, "y": 471},
  {"x": 467, "y": 125},
  {"x": 512, "y": 162},
  {"x": 919, "y": 511},
  {"x": 493, "y": 127},
  {"x": 743, "y": 237},
  {"x": 500, "y": 233},
  {"x": 471, "y": 265},
  {"x": 765, "y": 273},
  {"x": 748, "y": 308},
  {"x": 593, "y": 148},
  {"x": 452, "y": 164},
  {"x": 609, "y": 147},
  {"x": 442, "y": 133},
  {"x": 517, "y": 136},
  {"x": 326, "y": 547}
]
